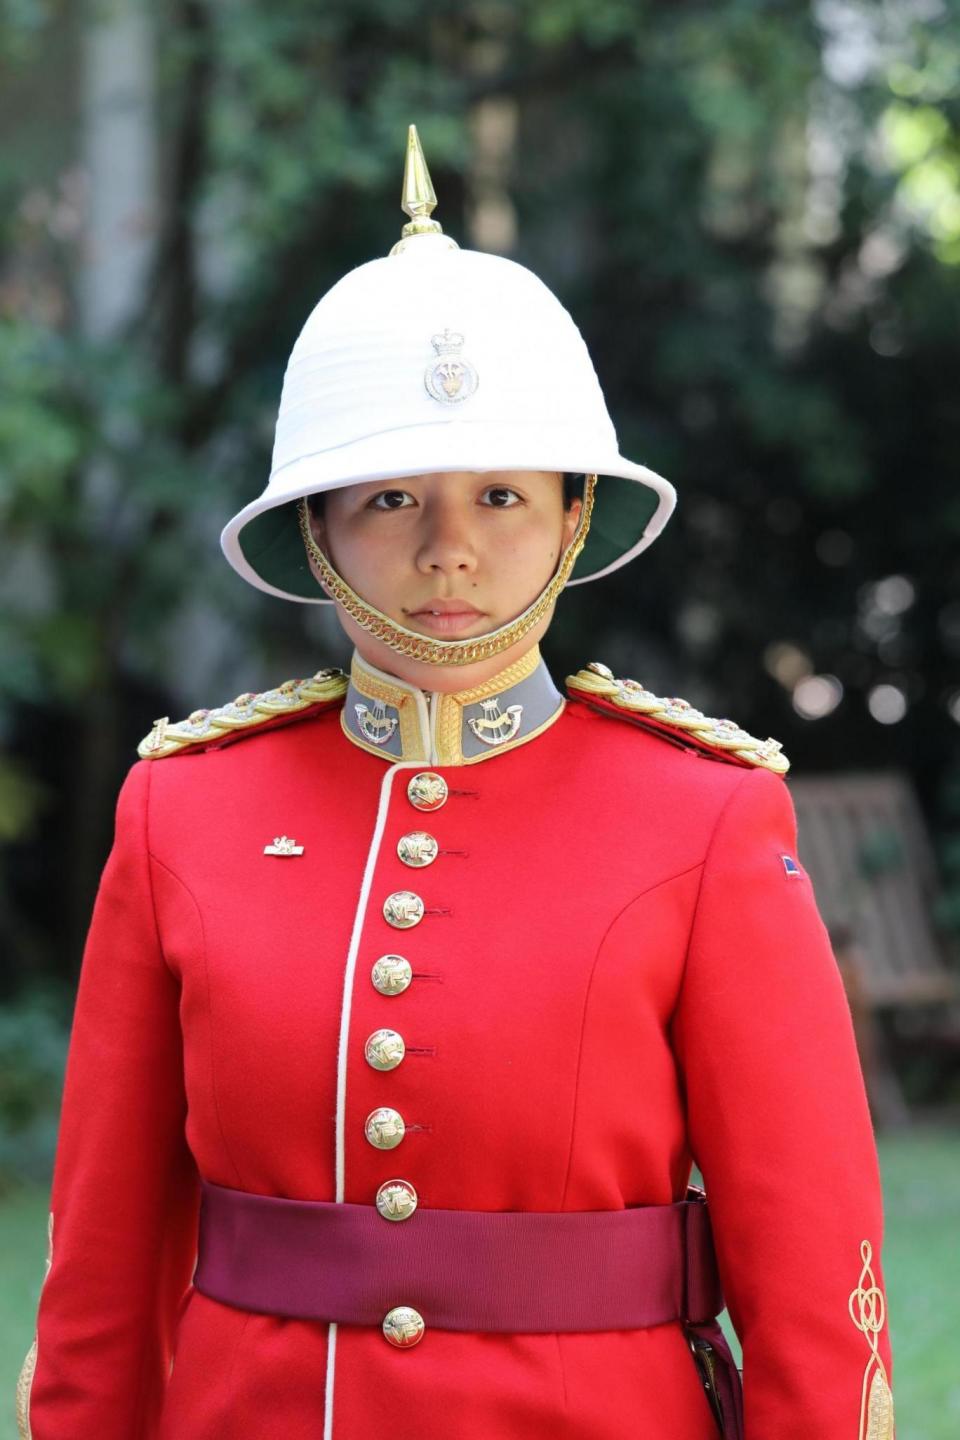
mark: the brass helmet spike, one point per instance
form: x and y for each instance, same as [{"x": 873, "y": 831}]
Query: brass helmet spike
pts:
[{"x": 418, "y": 197}]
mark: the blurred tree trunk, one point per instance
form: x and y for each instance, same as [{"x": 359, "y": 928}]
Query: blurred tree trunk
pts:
[{"x": 118, "y": 152}]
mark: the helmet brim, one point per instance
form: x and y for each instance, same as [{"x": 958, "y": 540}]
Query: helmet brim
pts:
[{"x": 263, "y": 542}]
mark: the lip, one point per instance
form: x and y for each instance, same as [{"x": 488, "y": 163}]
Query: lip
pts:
[
  {"x": 447, "y": 607},
  {"x": 446, "y": 617}
]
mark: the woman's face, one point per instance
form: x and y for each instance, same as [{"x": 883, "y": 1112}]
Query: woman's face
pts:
[{"x": 449, "y": 555}]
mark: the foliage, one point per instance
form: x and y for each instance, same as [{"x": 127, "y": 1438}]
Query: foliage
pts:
[
  {"x": 33, "y": 1045},
  {"x": 752, "y": 210}
]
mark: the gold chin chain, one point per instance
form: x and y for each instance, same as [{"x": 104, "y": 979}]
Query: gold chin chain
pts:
[{"x": 446, "y": 652}]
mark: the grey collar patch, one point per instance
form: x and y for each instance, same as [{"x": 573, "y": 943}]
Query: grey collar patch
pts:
[{"x": 391, "y": 718}]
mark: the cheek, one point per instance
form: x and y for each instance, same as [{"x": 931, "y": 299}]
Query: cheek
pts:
[
  {"x": 545, "y": 541},
  {"x": 363, "y": 555},
  {"x": 528, "y": 559}
]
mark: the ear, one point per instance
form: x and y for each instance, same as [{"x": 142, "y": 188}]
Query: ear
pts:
[
  {"x": 318, "y": 530},
  {"x": 571, "y": 518}
]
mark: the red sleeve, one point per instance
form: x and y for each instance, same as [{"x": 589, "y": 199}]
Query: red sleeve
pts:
[
  {"x": 780, "y": 1128},
  {"x": 125, "y": 1191}
]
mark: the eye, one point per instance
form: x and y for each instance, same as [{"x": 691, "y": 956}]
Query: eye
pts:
[
  {"x": 501, "y": 497},
  {"x": 391, "y": 500}
]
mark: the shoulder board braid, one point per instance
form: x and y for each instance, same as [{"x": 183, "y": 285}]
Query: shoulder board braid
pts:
[
  {"x": 249, "y": 710},
  {"x": 676, "y": 719}
]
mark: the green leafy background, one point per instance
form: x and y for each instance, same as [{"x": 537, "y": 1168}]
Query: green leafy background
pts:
[{"x": 751, "y": 209}]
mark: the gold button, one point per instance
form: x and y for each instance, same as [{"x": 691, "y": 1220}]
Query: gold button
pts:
[
  {"x": 417, "y": 849},
  {"x": 384, "y": 1127},
  {"x": 391, "y": 974},
  {"x": 396, "y": 1200},
  {"x": 427, "y": 790},
  {"x": 403, "y": 1326},
  {"x": 384, "y": 1049},
  {"x": 403, "y": 909}
]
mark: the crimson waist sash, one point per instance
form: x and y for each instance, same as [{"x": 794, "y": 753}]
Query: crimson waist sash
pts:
[{"x": 505, "y": 1270}]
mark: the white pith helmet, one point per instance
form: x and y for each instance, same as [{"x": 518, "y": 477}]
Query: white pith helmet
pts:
[{"x": 432, "y": 359}]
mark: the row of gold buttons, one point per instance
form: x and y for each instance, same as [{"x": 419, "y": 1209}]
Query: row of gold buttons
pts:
[{"x": 384, "y": 1049}]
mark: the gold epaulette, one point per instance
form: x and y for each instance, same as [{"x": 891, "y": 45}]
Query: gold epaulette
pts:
[
  {"x": 722, "y": 739},
  {"x": 247, "y": 711}
]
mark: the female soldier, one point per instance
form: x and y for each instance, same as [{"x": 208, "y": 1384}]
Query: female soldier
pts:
[{"x": 401, "y": 1023}]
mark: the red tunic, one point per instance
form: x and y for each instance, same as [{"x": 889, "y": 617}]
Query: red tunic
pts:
[{"x": 616, "y": 973}]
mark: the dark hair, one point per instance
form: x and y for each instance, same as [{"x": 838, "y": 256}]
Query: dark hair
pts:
[{"x": 572, "y": 490}]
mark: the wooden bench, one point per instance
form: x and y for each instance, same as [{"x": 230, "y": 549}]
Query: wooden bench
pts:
[{"x": 862, "y": 840}]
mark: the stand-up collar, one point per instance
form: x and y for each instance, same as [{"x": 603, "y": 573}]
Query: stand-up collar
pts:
[{"x": 399, "y": 721}]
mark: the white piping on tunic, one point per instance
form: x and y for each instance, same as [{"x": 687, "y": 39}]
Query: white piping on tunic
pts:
[{"x": 386, "y": 785}]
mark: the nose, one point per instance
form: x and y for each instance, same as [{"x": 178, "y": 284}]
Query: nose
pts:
[{"x": 446, "y": 543}]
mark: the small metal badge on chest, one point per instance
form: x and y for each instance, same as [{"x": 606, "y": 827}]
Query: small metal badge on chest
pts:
[
  {"x": 451, "y": 377},
  {"x": 283, "y": 845}
]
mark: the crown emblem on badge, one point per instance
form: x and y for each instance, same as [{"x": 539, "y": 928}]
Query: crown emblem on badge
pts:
[{"x": 451, "y": 378}]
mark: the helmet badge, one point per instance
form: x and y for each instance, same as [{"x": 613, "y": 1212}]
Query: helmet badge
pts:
[{"x": 451, "y": 377}]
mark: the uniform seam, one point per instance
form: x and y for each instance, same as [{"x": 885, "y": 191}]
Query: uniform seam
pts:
[
  {"x": 210, "y": 1028},
  {"x": 563, "y": 1372},
  {"x": 142, "y": 1365},
  {"x": 696, "y": 904},
  {"x": 144, "y": 1362},
  {"x": 657, "y": 884},
  {"x": 150, "y": 856},
  {"x": 235, "y": 1352}
]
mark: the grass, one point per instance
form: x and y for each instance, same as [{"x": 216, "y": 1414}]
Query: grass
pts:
[
  {"x": 920, "y": 1169},
  {"x": 921, "y": 1187}
]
